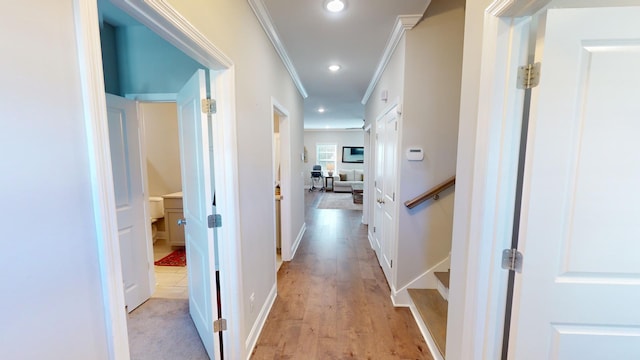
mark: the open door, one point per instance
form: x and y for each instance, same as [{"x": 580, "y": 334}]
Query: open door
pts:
[
  {"x": 198, "y": 201},
  {"x": 578, "y": 293},
  {"x": 126, "y": 162}
]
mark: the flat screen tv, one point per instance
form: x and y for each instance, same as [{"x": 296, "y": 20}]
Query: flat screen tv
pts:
[{"x": 352, "y": 154}]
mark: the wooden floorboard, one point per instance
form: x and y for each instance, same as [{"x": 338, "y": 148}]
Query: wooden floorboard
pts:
[
  {"x": 333, "y": 300},
  {"x": 433, "y": 310}
]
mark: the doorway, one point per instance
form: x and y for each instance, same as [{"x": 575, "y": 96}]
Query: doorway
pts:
[
  {"x": 281, "y": 174},
  {"x": 186, "y": 38}
]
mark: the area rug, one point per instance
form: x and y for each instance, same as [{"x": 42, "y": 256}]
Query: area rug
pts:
[
  {"x": 176, "y": 258},
  {"x": 344, "y": 201}
]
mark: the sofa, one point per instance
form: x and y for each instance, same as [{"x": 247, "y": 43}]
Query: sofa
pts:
[{"x": 345, "y": 178}]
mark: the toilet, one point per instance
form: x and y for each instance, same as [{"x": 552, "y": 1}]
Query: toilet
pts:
[{"x": 156, "y": 211}]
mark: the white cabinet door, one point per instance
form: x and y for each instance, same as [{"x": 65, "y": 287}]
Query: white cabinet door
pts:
[
  {"x": 126, "y": 162},
  {"x": 197, "y": 192},
  {"x": 578, "y": 295}
]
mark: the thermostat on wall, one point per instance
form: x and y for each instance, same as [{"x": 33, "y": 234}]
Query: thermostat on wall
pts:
[{"x": 415, "y": 154}]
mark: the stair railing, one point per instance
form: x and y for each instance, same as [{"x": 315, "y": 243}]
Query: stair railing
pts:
[{"x": 432, "y": 193}]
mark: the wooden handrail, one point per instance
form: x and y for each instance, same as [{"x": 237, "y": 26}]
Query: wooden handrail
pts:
[{"x": 433, "y": 193}]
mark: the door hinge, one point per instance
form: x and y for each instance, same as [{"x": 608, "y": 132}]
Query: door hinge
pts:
[
  {"x": 396, "y": 126},
  {"x": 529, "y": 76},
  {"x": 214, "y": 221},
  {"x": 209, "y": 106},
  {"x": 374, "y": 229},
  {"x": 219, "y": 325},
  {"x": 512, "y": 260},
  {"x": 394, "y": 196},
  {"x": 391, "y": 266}
]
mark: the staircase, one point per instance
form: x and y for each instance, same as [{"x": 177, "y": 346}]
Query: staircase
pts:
[{"x": 429, "y": 308}]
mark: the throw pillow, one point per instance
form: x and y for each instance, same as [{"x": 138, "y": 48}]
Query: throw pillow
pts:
[
  {"x": 361, "y": 177},
  {"x": 343, "y": 177}
]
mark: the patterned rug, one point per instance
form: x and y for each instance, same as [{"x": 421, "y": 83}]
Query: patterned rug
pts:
[
  {"x": 344, "y": 201},
  {"x": 176, "y": 258}
]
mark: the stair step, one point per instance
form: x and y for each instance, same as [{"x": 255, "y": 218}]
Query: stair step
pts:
[
  {"x": 433, "y": 311},
  {"x": 443, "y": 277}
]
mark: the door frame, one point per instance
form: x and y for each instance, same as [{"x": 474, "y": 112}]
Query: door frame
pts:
[
  {"x": 483, "y": 217},
  {"x": 165, "y": 21},
  {"x": 286, "y": 245}
]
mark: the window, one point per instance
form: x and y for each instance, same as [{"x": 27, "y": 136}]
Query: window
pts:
[{"x": 325, "y": 155}]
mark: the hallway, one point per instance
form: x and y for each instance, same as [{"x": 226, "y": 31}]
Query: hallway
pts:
[{"x": 333, "y": 300}]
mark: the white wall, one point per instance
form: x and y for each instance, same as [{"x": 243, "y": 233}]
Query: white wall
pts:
[
  {"x": 392, "y": 81},
  {"x": 51, "y": 305},
  {"x": 433, "y": 63},
  {"x": 340, "y": 138},
  {"x": 162, "y": 146},
  {"x": 260, "y": 75}
]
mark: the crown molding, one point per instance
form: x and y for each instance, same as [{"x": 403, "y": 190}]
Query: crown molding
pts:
[
  {"x": 403, "y": 23},
  {"x": 264, "y": 18},
  {"x": 177, "y": 30}
]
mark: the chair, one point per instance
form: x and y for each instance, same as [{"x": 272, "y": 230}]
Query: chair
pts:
[{"x": 316, "y": 176}]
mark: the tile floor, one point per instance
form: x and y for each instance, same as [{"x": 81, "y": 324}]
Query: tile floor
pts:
[{"x": 171, "y": 281}]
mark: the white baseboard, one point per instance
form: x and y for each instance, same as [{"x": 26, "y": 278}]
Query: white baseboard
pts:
[
  {"x": 296, "y": 243},
  {"x": 426, "y": 280},
  {"x": 254, "y": 334},
  {"x": 431, "y": 344}
]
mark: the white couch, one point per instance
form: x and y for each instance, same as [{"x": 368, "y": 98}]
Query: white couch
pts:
[{"x": 351, "y": 176}]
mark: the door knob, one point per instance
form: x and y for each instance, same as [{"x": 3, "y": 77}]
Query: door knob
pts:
[{"x": 182, "y": 222}]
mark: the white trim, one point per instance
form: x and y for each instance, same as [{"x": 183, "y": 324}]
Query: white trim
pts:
[
  {"x": 286, "y": 178},
  {"x": 254, "y": 334},
  {"x": 303, "y": 229},
  {"x": 97, "y": 132},
  {"x": 426, "y": 280},
  {"x": 227, "y": 197},
  {"x": 477, "y": 293},
  {"x": 403, "y": 23},
  {"x": 334, "y": 130},
  {"x": 431, "y": 344},
  {"x": 168, "y": 23},
  {"x": 264, "y": 18},
  {"x": 156, "y": 97}
]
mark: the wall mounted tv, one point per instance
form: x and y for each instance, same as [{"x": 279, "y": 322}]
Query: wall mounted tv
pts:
[{"x": 352, "y": 154}]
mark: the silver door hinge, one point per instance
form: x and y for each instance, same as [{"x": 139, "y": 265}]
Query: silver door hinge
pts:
[
  {"x": 529, "y": 76},
  {"x": 209, "y": 106},
  {"x": 396, "y": 126},
  {"x": 214, "y": 221},
  {"x": 394, "y": 196},
  {"x": 391, "y": 266},
  {"x": 512, "y": 260},
  {"x": 374, "y": 229},
  {"x": 219, "y": 325}
]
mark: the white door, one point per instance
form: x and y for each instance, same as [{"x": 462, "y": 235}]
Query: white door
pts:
[
  {"x": 126, "y": 161},
  {"x": 378, "y": 190},
  {"x": 388, "y": 191},
  {"x": 385, "y": 180},
  {"x": 197, "y": 183},
  {"x": 578, "y": 296}
]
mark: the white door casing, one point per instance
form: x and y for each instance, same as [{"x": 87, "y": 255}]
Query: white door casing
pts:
[
  {"x": 128, "y": 183},
  {"x": 197, "y": 172},
  {"x": 579, "y": 289}
]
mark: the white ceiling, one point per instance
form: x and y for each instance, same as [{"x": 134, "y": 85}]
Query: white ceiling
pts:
[{"x": 355, "y": 39}]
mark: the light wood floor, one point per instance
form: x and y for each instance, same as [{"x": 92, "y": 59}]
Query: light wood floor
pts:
[{"x": 333, "y": 300}]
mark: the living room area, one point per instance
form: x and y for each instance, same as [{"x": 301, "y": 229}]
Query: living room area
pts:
[{"x": 334, "y": 162}]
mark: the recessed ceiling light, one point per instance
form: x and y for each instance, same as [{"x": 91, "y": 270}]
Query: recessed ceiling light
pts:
[
  {"x": 321, "y": 110},
  {"x": 334, "y": 68},
  {"x": 335, "y": 5}
]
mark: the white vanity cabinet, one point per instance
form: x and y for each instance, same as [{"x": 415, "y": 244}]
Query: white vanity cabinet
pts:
[{"x": 173, "y": 213}]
